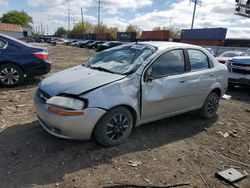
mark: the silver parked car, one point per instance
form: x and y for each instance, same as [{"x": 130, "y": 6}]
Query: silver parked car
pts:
[{"x": 127, "y": 86}]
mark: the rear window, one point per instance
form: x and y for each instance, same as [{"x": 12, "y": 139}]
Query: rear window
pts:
[
  {"x": 198, "y": 60},
  {"x": 2, "y": 43}
]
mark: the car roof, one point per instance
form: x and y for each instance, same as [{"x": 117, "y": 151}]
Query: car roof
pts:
[{"x": 165, "y": 44}]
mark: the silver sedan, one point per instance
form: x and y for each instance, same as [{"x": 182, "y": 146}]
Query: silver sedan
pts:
[{"x": 127, "y": 86}]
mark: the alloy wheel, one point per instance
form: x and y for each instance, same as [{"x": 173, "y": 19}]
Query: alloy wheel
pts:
[
  {"x": 212, "y": 105},
  {"x": 117, "y": 126},
  {"x": 9, "y": 76}
]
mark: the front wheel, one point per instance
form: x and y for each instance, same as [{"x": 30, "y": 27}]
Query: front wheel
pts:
[
  {"x": 11, "y": 75},
  {"x": 210, "y": 106},
  {"x": 114, "y": 127}
]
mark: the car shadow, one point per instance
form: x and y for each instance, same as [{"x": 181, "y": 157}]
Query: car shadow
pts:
[
  {"x": 241, "y": 93},
  {"x": 30, "y": 156},
  {"x": 29, "y": 83}
]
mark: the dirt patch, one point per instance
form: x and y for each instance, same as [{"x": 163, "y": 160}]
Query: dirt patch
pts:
[{"x": 173, "y": 150}]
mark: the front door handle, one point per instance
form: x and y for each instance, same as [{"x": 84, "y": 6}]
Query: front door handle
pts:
[{"x": 212, "y": 74}]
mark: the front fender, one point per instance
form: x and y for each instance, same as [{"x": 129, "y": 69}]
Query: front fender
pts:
[{"x": 125, "y": 92}]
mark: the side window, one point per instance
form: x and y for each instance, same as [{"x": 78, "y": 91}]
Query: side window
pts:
[
  {"x": 2, "y": 43},
  {"x": 198, "y": 60},
  {"x": 169, "y": 63}
]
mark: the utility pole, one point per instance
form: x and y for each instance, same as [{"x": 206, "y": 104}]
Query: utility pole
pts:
[
  {"x": 47, "y": 30},
  {"x": 41, "y": 27},
  {"x": 99, "y": 2},
  {"x": 83, "y": 36},
  {"x": 99, "y": 11},
  {"x": 195, "y": 4},
  {"x": 69, "y": 15}
]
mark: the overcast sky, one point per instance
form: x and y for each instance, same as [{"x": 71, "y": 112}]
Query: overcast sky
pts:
[{"x": 147, "y": 14}]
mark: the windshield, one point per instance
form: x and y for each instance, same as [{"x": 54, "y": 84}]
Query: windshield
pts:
[{"x": 121, "y": 60}]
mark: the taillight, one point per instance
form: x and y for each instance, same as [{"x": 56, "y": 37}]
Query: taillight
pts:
[{"x": 41, "y": 55}]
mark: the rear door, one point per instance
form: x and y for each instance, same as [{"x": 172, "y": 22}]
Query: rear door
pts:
[{"x": 200, "y": 78}]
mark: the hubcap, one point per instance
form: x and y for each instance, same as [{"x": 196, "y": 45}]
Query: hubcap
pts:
[
  {"x": 117, "y": 126},
  {"x": 9, "y": 76},
  {"x": 212, "y": 105}
]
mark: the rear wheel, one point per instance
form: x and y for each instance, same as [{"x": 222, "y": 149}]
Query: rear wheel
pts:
[
  {"x": 11, "y": 75},
  {"x": 210, "y": 106},
  {"x": 114, "y": 127}
]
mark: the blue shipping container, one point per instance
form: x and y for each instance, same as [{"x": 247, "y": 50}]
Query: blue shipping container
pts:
[
  {"x": 204, "y": 34},
  {"x": 126, "y": 36}
]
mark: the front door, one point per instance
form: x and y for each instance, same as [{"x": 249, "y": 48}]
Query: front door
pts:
[{"x": 163, "y": 94}]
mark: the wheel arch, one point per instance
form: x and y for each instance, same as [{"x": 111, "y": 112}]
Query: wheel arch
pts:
[
  {"x": 131, "y": 109},
  {"x": 217, "y": 91},
  {"x": 14, "y": 63}
]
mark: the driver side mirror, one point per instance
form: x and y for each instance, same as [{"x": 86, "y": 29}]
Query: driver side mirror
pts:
[{"x": 148, "y": 75}]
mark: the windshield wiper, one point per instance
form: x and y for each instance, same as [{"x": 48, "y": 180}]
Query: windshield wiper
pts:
[{"x": 101, "y": 69}]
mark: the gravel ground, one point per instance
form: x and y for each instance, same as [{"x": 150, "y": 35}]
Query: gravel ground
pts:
[{"x": 181, "y": 149}]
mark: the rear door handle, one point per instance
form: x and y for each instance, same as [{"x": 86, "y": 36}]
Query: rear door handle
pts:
[
  {"x": 212, "y": 74},
  {"x": 182, "y": 81}
]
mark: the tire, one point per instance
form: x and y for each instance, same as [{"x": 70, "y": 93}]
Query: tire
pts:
[
  {"x": 210, "y": 106},
  {"x": 114, "y": 127},
  {"x": 231, "y": 86},
  {"x": 11, "y": 75}
]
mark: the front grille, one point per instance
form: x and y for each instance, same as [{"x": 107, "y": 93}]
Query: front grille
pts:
[
  {"x": 42, "y": 95},
  {"x": 240, "y": 68}
]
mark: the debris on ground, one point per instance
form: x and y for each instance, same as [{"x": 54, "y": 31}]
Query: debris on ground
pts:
[
  {"x": 130, "y": 185},
  {"x": 227, "y": 97},
  {"x": 135, "y": 163},
  {"x": 231, "y": 175},
  {"x": 233, "y": 134},
  {"x": 225, "y": 135}
]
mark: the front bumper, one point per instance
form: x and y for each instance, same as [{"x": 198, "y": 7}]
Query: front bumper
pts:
[
  {"x": 76, "y": 128},
  {"x": 241, "y": 79}
]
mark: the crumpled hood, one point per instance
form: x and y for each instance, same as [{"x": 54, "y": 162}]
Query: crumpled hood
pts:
[{"x": 77, "y": 80}]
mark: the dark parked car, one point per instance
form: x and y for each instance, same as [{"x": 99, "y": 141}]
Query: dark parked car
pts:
[
  {"x": 38, "y": 39},
  {"x": 108, "y": 45},
  {"x": 85, "y": 43},
  {"x": 18, "y": 61},
  {"x": 94, "y": 45},
  {"x": 239, "y": 70},
  {"x": 29, "y": 39}
]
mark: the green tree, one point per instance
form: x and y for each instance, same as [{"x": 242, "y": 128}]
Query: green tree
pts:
[
  {"x": 134, "y": 28},
  {"x": 113, "y": 31},
  {"x": 16, "y": 17},
  {"x": 100, "y": 29},
  {"x": 80, "y": 28},
  {"x": 60, "y": 31}
]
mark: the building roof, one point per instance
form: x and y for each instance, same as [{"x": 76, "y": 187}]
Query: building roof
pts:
[{"x": 10, "y": 27}]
